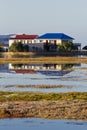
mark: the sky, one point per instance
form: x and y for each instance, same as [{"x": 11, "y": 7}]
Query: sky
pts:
[{"x": 45, "y": 16}]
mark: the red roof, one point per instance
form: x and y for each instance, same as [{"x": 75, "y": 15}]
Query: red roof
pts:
[{"x": 24, "y": 36}]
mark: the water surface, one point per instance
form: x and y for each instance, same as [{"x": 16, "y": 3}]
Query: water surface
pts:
[
  {"x": 41, "y": 124},
  {"x": 72, "y": 77},
  {"x": 20, "y": 77}
]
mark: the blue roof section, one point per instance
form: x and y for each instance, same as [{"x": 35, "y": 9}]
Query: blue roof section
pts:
[
  {"x": 55, "y": 36},
  {"x": 54, "y": 73}
]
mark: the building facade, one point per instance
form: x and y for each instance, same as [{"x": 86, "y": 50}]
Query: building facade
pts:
[
  {"x": 46, "y": 42},
  {"x": 30, "y": 40},
  {"x": 50, "y": 41}
]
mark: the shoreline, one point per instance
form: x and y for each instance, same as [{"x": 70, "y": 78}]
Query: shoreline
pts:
[
  {"x": 61, "y": 109},
  {"x": 44, "y": 60}
]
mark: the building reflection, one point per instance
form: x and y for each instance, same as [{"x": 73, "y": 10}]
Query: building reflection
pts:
[
  {"x": 35, "y": 66},
  {"x": 46, "y": 69},
  {"x": 4, "y": 68}
]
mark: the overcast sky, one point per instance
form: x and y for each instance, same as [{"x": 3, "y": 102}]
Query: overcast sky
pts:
[{"x": 41, "y": 16}]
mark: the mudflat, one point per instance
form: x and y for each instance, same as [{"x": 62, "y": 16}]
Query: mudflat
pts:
[{"x": 61, "y": 109}]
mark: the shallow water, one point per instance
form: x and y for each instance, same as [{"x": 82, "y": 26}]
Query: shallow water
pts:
[
  {"x": 41, "y": 124},
  {"x": 73, "y": 78},
  {"x": 20, "y": 77}
]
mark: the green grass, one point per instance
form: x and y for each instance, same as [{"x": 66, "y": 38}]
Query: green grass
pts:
[{"x": 37, "y": 96}]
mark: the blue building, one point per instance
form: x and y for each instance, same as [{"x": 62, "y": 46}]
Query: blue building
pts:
[{"x": 50, "y": 41}]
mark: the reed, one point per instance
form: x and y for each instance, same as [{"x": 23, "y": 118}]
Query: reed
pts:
[{"x": 38, "y": 96}]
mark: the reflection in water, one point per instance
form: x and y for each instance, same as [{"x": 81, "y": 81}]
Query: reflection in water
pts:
[
  {"x": 38, "y": 86},
  {"x": 46, "y": 69},
  {"x": 77, "y": 123},
  {"x": 4, "y": 68},
  {"x": 41, "y": 66},
  {"x": 39, "y": 77}
]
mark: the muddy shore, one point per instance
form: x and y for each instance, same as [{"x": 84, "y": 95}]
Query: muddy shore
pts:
[{"x": 62, "y": 109}]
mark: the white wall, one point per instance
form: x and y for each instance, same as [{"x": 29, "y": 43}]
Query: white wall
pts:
[
  {"x": 58, "y": 41},
  {"x": 10, "y": 42},
  {"x": 32, "y": 44}
]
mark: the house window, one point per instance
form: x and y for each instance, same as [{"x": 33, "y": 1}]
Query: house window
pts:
[
  {"x": 41, "y": 40},
  {"x": 35, "y": 41},
  {"x": 29, "y": 41},
  {"x": 52, "y": 41}
]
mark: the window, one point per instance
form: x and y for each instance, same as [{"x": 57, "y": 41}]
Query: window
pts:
[{"x": 41, "y": 40}]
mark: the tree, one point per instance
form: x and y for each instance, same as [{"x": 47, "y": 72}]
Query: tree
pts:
[
  {"x": 19, "y": 47},
  {"x": 26, "y": 48},
  {"x": 67, "y": 46}
]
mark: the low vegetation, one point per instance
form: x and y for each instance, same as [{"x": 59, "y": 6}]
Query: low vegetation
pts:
[
  {"x": 50, "y": 60},
  {"x": 37, "y": 96},
  {"x": 18, "y": 47},
  {"x": 67, "y": 46}
]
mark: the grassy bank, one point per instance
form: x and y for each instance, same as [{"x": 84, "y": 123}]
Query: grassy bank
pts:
[
  {"x": 37, "y": 96},
  {"x": 42, "y": 105},
  {"x": 32, "y": 57},
  {"x": 57, "y": 60}
]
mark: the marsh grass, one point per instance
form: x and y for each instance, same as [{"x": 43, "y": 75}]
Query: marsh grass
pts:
[
  {"x": 50, "y": 60},
  {"x": 37, "y": 96}
]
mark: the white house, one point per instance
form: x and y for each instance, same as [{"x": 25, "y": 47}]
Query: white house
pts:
[
  {"x": 53, "y": 39},
  {"x": 30, "y": 40},
  {"x": 48, "y": 41}
]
